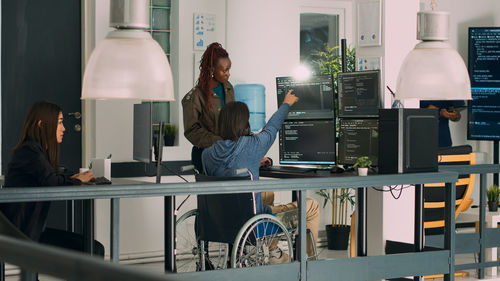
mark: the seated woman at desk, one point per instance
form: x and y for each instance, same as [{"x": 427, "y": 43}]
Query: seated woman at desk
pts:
[
  {"x": 35, "y": 163},
  {"x": 239, "y": 149}
]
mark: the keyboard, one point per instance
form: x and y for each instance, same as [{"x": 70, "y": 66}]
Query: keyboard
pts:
[
  {"x": 287, "y": 169},
  {"x": 98, "y": 181}
]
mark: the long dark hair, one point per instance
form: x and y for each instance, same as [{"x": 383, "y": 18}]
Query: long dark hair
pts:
[
  {"x": 45, "y": 133},
  {"x": 209, "y": 61},
  {"x": 233, "y": 121}
]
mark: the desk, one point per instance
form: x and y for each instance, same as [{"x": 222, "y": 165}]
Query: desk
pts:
[{"x": 361, "y": 226}]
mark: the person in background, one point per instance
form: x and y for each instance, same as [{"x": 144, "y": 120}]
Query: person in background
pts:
[
  {"x": 239, "y": 149},
  {"x": 447, "y": 111},
  {"x": 35, "y": 163},
  {"x": 202, "y": 105}
]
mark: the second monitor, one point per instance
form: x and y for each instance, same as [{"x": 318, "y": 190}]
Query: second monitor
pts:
[
  {"x": 359, "y": 94},
  {"x": 357, "y": 138},
  {"x": 315, "y": 95},
  {"x": 307, "y": 142}
]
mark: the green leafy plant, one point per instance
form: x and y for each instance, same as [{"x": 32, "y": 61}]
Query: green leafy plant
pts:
[
  {"x": 363, "y": 162},
  {"x": 169, "y": 129},
  {"x": 339, "y": 198},
  {"x": 493, "y": 193}
]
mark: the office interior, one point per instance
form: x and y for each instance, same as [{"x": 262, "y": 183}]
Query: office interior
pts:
[{"x": 262, "y": 39}]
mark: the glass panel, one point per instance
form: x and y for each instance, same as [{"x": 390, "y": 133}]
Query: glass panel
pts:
[
  {"x": 163, "y": 38},
  {"x": 164, "y": 3},
  {"x": 161, "y": 112},
  {"x": 161, "y": 19},
  {"x": 317, "y": 31}
]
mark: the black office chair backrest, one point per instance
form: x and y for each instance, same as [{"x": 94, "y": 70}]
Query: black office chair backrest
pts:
[{"x": 220, "y": 216}]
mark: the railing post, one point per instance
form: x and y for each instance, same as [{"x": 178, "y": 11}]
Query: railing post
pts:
[
  {"x": 361, "y": 222},
  {"x": 449, "y": 228},
  {"x": 482, "y": 224},
  {"x": 302, "y": 235},
  {"x": 419, "y": 222},
  {"x": 115, "y": 230}
]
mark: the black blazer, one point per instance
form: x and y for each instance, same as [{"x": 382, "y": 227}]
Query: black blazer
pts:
[{"x": 30, "y": 167}]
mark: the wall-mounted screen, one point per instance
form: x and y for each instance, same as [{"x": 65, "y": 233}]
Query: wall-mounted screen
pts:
[{"x": 484, "y": 71}]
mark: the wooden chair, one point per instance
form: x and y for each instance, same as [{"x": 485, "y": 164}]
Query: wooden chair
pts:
[
  {"x": 434, "y": 201},
  {"x": 434, "y": 194}
]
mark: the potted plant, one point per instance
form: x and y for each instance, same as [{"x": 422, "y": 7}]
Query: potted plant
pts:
[
  {"x": 170, "y": 131},
  {"x": 337, "y": 233},
  {"x": 363, "y": 163},
  {"x": 330, "y": 62},
  {"x": 493, "y": 193}
]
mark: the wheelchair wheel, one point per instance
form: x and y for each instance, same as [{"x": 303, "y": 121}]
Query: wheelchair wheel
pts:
[
  {"x": 188, "y": 255},
  {"x": 251, "y": 246}
]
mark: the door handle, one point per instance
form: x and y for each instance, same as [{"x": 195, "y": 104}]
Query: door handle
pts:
[{"x": 77, "y": 114}]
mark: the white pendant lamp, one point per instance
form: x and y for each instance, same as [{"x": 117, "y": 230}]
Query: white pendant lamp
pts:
[
  {"x": 433, "y": 70},
  {"x": 128, "y": 63}
]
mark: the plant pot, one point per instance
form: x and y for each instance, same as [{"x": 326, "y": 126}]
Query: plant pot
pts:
[
  {"x": 362, "y": 171},
  {"x": 337, "y": 236},
  {"x": 169, "y": 140},
  {"x": 492, "y": 206}
]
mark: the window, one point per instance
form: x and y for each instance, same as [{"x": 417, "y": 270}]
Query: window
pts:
[
  {"x": 322, "y": 26},
  {"x": 159, "y": 27}
]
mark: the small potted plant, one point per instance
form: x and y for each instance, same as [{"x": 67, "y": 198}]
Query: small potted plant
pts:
[
  {"x": 170, "y": 131},
  {"x": 493, "y": 193},
  {"x": 363, "y": 163}
]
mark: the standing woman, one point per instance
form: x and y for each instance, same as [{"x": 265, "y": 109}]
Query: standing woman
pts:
[
  {"x": 202, "y": 105},
  {"x": 35, "y": 163}
]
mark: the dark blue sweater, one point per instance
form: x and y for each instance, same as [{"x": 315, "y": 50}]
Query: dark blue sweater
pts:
[{"x": 224, "y": 157}]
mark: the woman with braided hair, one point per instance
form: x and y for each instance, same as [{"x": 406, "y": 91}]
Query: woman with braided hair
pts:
[{"x": 201, "y": 106}]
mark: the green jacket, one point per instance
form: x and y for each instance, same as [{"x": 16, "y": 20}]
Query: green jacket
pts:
[{"x": 200, "y": 124}]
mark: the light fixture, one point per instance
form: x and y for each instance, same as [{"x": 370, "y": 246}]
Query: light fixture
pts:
[
  {"x": 433, "y": 70},
  {"x": 128, "y": 63}
]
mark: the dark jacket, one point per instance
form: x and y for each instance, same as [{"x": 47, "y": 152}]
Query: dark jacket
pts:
[
  {"x": 224, "y": 157},
  {"x": 30, "y": 167},
  {"x": 200, "y": 124}
]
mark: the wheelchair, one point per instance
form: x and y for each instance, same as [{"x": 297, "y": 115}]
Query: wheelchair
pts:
[{"x": 226, "y": 225}]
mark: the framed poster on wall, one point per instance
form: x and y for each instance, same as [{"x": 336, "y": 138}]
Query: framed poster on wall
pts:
[{"x": 203, "y": 30}]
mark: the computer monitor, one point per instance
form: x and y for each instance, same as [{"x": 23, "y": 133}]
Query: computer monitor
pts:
[
  {"x": 357, "y": 138},
  {"x": 143, "y": 132},
  {"x": 359, "y": 93},
  {"x": 315, "y": 95},
  {"x": 307, "y": 142}
]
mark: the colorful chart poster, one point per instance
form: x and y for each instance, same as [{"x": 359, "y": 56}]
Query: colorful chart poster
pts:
[{"x": 204, "y": 31}]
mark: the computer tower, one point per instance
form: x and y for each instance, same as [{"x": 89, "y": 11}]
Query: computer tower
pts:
[{"x": 408, "y": 140}]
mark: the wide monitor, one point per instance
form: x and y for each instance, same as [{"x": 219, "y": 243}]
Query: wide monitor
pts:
[
  {"x": 357, "y": 138},
  {"x": 484, "y": 71},
  {"x": 143, "y": 133},
  {"x": 359, "y": 93},
  {"x": 307, "y": 142},
  {"x": 315, "y": 95}
]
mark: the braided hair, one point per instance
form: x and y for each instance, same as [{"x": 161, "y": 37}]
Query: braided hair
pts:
[{"x": 208, "y": 62}]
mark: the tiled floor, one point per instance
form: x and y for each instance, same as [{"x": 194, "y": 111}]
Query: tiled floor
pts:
[{"x": 323, "y": 254}]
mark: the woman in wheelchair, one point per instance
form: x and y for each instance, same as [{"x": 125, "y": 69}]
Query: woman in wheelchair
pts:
[{"x": 239, "y": 149}]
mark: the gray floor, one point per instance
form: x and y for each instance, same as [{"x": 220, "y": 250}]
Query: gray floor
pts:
[{"x": 323, "y": 254}]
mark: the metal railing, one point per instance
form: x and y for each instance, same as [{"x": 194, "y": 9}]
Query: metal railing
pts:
[{"x": 73, "y": 266}]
